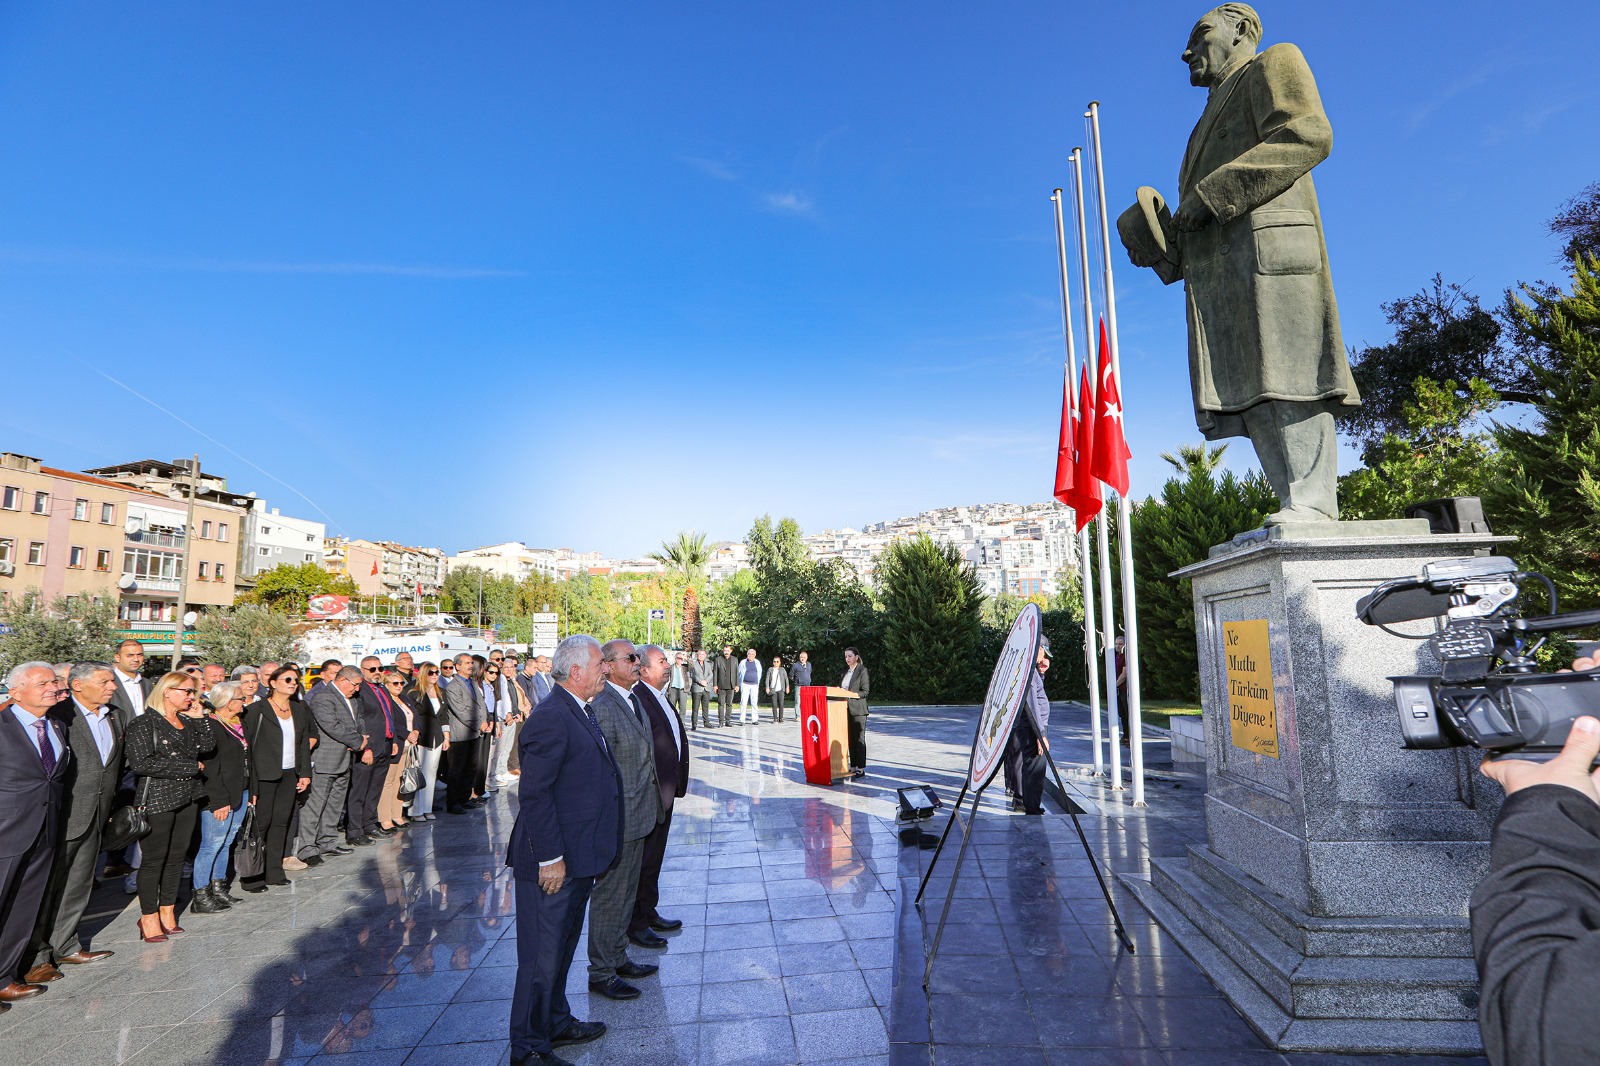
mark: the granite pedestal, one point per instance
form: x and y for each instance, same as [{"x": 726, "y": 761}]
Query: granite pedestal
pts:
[{"x": 1330, "y": 902}]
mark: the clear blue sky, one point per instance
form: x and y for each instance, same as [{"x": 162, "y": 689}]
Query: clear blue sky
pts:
[{"x": 679, "y": 264}]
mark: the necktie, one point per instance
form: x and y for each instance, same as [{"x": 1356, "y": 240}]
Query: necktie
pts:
[
  {"x": 47, "y": 752},
  {"x": 388, "y": 722},
  {"x": 594, "y": 726},
  {"x": 638, "y": 709}
]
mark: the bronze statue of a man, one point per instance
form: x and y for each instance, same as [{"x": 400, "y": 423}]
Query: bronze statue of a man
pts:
[{"x": 1265, "y": 356}]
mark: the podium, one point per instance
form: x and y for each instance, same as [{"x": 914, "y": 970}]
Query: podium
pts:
[{"x": 825, "y": 732}]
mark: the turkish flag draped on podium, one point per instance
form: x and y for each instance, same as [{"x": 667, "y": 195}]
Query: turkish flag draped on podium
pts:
[{"x": 1111, "y": 455}]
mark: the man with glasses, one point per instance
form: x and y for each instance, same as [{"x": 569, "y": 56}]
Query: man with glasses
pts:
[
  {"x": 467, "y": 720},
  {"x": 339, "y": 721},
  {"x": 626, "y": 727},
  {"x": 127, "y": 701},
  {"x": 447, "y": 672},
  {"x": 381, "y": 723},
  {"x": 1026, "y": 747}
]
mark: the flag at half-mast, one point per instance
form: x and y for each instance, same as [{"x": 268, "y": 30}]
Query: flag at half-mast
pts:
[
  {"x": 1066, "y": 457},
  {"x": 1111, "y": 455},
  {"x": 1085, "y": 497}
]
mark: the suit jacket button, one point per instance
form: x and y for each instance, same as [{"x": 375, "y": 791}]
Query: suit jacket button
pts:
[
  {"x": 1223, "y": 250},
  {"x": 1222, "y": 132}
]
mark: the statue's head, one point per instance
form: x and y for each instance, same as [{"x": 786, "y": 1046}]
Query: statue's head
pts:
[{"x": 1223, "y": 37}]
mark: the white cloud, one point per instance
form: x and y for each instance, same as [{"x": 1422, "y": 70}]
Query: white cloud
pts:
[
  {"x": 711, "y": 168},
  {"x": 789, "y": 203}
]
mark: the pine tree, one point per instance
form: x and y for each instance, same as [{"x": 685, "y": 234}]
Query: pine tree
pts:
[
  {"x": 1550, "y": 495},
  {"x": 932, "y": 603}
]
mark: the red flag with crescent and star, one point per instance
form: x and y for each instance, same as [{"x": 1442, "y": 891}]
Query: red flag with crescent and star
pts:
[
  {"x": 1066, "y": 458},
  {"x": 1111, "y": 455},
  {"x": 1085, "y": 497}
]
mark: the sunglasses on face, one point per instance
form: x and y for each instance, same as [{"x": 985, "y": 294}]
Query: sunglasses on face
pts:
[
  {"x": 625, "y": 658},
  {"x": 394, "y": 684},
  {"x": 185, "y": 691}
]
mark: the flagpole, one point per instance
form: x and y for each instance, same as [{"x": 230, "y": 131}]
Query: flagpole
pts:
[
  {"x": 1086, "y": 577},
  {"x": 1108, "y": 619},
  {"x": 1130, "y": 614}
]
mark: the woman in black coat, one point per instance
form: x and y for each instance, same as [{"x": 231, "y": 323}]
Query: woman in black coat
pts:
[
  {"x": 279, "y": 731},
  {"x": 226, "y": 775}
]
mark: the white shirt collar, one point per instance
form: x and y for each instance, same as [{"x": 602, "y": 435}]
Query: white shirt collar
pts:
[{"x": 624, "y": 693}]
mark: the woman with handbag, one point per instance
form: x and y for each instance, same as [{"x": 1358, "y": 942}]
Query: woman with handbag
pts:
[
  {"x": 427, "y": 704},
  {"x": 227, "y": 779},
  {"x": 164, "y": 747},
  {"x": 391, "y": 811},
  {"x": 279, "y": 732}
]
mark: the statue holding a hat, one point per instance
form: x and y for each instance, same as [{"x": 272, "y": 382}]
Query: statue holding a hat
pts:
[{"x": 1266, "y": 359}]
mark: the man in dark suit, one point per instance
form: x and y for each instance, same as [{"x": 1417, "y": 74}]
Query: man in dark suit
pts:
[
  {"x": 858, "y": 681},
  {"x": 381, "y": 723},
  {"x": 127, "y": 702},
  {"x": 34, "y": 763},
  {"x": 568, "y": 832},
  {"x": 672, "y": 778},
  {"x": 90, "y": 787},
  {"x": 1025, "y": 749},
  {"x": 467, "y": 721}
]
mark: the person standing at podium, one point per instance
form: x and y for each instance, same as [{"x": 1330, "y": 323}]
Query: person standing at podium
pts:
[{"x": 857, "y": 680}]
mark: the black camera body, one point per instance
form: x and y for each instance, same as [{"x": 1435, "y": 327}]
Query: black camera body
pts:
[{"x": 1487, "y": 693}]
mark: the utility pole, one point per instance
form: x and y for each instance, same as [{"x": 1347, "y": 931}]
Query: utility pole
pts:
[{"x": 183, "y": 570}]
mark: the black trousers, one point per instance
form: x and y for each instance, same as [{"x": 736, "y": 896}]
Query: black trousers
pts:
[
  {"x": 161, "y": 856},
  {"x": 480, "y": 764},
  {"x": 366, "y": 786},
  {"x": 776, "y": 701},
  {"x": 274, "y": 812},
  {"x": 699, "y": 708},
  {"x": 1024, "y": 765},
  {"x": 547, "y": 935},
  {"x": 23, "y": 879},
  {"x": 462, "y": 767},
  {"x": 725, "y": 705},
  {"x": 858, "y": 741},
  {"x": 648, "y": 895}
]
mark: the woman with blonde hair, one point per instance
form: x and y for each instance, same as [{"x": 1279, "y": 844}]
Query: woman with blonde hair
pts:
[
  {"x": 164, "y": 748},
  {"x": 391, "y": 812},
  {"x": 428, "y": 709}
]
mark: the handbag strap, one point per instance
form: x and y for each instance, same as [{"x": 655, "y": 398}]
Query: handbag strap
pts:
[{"x": 140, "y": 792}]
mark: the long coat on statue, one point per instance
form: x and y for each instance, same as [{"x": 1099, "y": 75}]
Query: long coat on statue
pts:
[{"x": 1263, "y": 324}]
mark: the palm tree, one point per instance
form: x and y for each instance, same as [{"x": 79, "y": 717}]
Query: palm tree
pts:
[
  {"x": 687, "y": 557},
  {"x": 1193, "y": 457}
]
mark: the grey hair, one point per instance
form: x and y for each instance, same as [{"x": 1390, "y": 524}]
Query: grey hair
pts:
[
  {"x": 84, "y": 671},
  {"x": 574, "y": 651},
  {"x": 62, "y": 668},
  {"x": 241, "y": 672},
  {"x": 1249, "y": 22},
  {"x": 22, "y": 670},
  {"x": 348, "y": 673},
  {"x": 221, "y": 694},
  {"x": 645, "y": 651}
]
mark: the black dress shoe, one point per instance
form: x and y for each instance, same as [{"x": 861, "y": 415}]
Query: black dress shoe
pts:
[
  {"x": 359, "y": 842},
  {"x": 539, "y": 1058},
  {"x": 647, "y": 939},
  {"x": 457, "y": 809},
  {"x": 665, "y": 925},
  {"x": 578, "y": 1032},
  {"x": 337, "y": 849},
  {"x": 253, "y": 886},
  {"x": 634, "y": 970},
  {"x": 614, "y": 988},
  {"x": 312, "y": 860}
]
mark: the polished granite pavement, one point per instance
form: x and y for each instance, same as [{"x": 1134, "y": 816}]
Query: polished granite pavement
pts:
[{"x": 405, "y": 952}]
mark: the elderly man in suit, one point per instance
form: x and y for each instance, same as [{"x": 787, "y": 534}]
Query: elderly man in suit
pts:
[
  {"x": 858, "y": 681},
  {"x": 701, "y": 682},
  {"x": 127, "y": 702},
  {"x": 1025, "y": 760},
  {"x": 1266, "y": 359},
  {"x": 467, "y": 720},
  {"x": 90, "y": 785},
  {"x": 343, "y": 745},
  {"x": 383, "y": 724},
  {"x": 671, "y": 749},
  {"x": 627, "y": 731},
  {"x": 34, "y": 763},
  {"x": 568, "y": 832}
]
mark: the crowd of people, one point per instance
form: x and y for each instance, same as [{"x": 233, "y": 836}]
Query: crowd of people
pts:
[{"x": 227, "y": 780}]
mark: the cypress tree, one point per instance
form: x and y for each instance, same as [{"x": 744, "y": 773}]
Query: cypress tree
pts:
[{"x": 932, "y": 604}]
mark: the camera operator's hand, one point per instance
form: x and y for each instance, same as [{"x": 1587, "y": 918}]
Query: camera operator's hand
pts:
[{"x": 1571, "y": 768}]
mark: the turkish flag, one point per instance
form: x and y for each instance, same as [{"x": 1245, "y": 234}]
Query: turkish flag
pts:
[
  {"x": 1085, "y": 500},
  {"x": 374, "y": 568},
  {"x": 1065, "y": 457},
  {"x": 1111, "y": 455}
]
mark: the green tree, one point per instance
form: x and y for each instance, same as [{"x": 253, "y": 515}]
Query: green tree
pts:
[
  {"x": 1578, "y": 224},
  {"x": 471, "y": 592},
  {"x": 687, "y": 557},
  {"x": 62, "y": 631},
  {"x": 1549, "y": 495},
  {"x": 1193, "y": 456},
  {"x": 247, "y": 633},
  {"x": 287, "y": 587},
  {"x": 933, "y": 605},
  {"x": 1440, "y": 455},
  {"x": 1171, "y": 530}
]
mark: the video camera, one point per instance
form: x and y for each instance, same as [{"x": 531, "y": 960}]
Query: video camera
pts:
[{"x": 1486, "y": 693}]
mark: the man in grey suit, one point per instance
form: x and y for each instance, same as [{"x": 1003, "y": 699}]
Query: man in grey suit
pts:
[
  {"x": 467, "y": 720},
  {"x": 90, "y": 726},
  {"x": 628, "y": 734},
  {"x": 700, "y": 685},
  {"x": 340, "y": 729}
]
